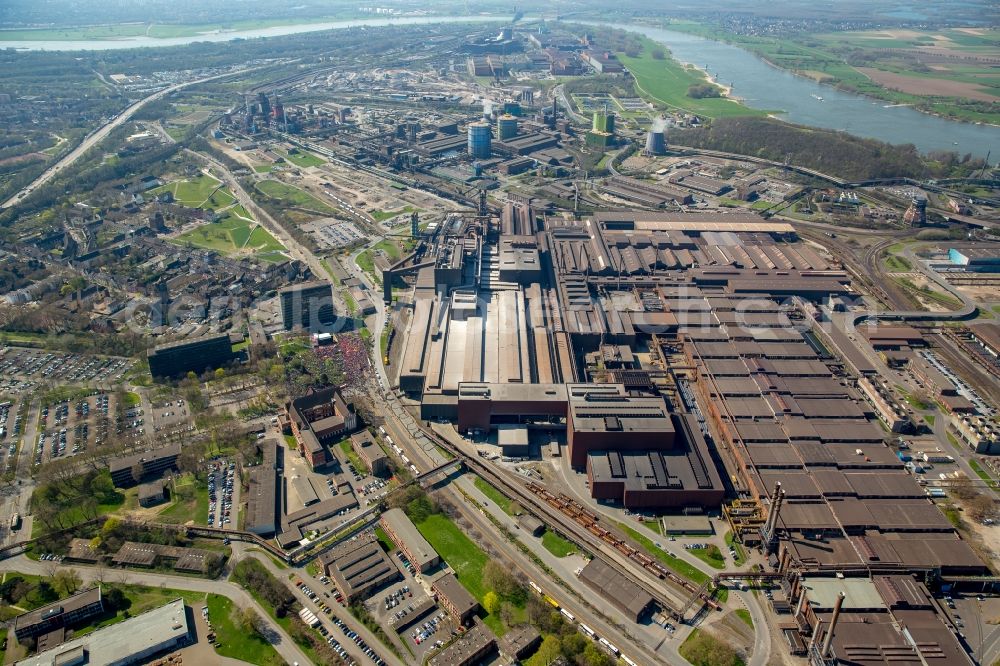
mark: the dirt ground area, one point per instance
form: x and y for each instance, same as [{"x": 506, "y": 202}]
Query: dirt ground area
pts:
[
  {"x": 926, "y": 86},
  {"x": 979, "y": 294}
]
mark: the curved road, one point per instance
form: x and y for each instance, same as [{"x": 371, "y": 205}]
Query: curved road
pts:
[
  {"x": 285, "y": 647},
  {"x": 98, "y": 135}
]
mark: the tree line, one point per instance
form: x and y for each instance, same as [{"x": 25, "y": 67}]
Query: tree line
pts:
[{"x": 836, "y": 153}]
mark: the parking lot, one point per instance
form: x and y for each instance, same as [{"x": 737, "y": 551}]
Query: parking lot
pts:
[
  {"x": 322, "y": 597},
  {"x": 221, "y": 475},
  {"x": 34, "y": 364},
  {"x": 171, "y": 418},
  {"x": 70, "y": 426},
  {"x": 392, "y": 605},
  {"x": 11, "y": 425}
]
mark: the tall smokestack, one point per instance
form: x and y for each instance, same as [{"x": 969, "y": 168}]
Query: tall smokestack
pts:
[
  {"x": 833, "y": 625},
  {"x": 773, "y": 510}
]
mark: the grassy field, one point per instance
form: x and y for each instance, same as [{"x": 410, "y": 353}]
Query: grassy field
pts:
[
  {"x": 462, "y": 555},
  {"x": 711, "y": 556},
  {"x": 383, "y": 215},
  {"x": 234, "y": 234},
  {"x": 498, "y": 497},
  {"x": 982, "y": 474},
  {"x": 189, "y": 502},
  {"x": 557, "y": 545},
  {"x": 232, "y": 641},
  {"x": 701, "y": 648},
  {"x": 667, "y": 81},
  {"x": 75, "y": 515},
  {"x": 304, "y": 159},
  {"x": 293, "y": 196},
  {"x": 744, "y": 615},
  {"x": 897, "y": 264},
  {"x": 366, "y": 263},
  {"x": 202, "y": 192},
  {"x": 75, "y": 34},
  {"x": 944, "y": 300}
]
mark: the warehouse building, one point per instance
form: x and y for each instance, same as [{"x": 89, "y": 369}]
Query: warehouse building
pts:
[
  {"x": 263, "y": 492},
  {"x": 627, "y": 597},
  {"x": 519, "y": 642},
  {"x": 133, "y": 641},
  {"x": 198, "y": 355},
  {"x": 677, "y": 477},
  {"x": 359, "y": 567},
  {"x": 598, "y": 422},
  {"x": 152, "y": 493},
  {"x": 976, "y": 259},
  {"x": 877, "y": 620},
  {"x": 413, "y": 545}
]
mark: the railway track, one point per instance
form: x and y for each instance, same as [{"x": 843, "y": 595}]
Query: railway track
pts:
[{"x": 625, "y": 559}]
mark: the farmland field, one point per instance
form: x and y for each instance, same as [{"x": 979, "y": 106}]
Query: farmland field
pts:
[{"x": 950, "y": 72}]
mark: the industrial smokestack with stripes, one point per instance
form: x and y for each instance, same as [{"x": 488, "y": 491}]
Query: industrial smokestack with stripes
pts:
[{"x": 656, "y": 138}]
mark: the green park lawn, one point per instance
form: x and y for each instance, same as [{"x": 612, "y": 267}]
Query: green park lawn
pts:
[
  {"x": 202, "y": 192},
  {"x": 233, "y": 233},
  {"x": 232, "y": 641}
]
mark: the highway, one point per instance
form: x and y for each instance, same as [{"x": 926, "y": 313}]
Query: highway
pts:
[
  {"x": 285, "y": 646},
  {"x": 98, "y": 135}
]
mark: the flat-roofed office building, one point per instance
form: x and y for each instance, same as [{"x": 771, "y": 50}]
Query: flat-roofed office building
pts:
[{"x": 308, "y": 306}]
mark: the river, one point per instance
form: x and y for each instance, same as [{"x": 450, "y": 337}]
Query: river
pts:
[
  {"x": 757, "y": 83},
  {"x": 229, "y": 35},
  {"x": 764, "y": 86}
]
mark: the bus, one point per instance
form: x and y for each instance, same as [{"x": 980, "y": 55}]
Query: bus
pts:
[
  {"x": 628, "y": 661},
  {"x": 569, "y": 616},
  {"x": 549, "y": 600},
  {"x": 535, "y": 587},
  {"x": 609, "y": 647},
  {"x": 587, "y": 630},
  {"x": 15, "y": 522}
]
